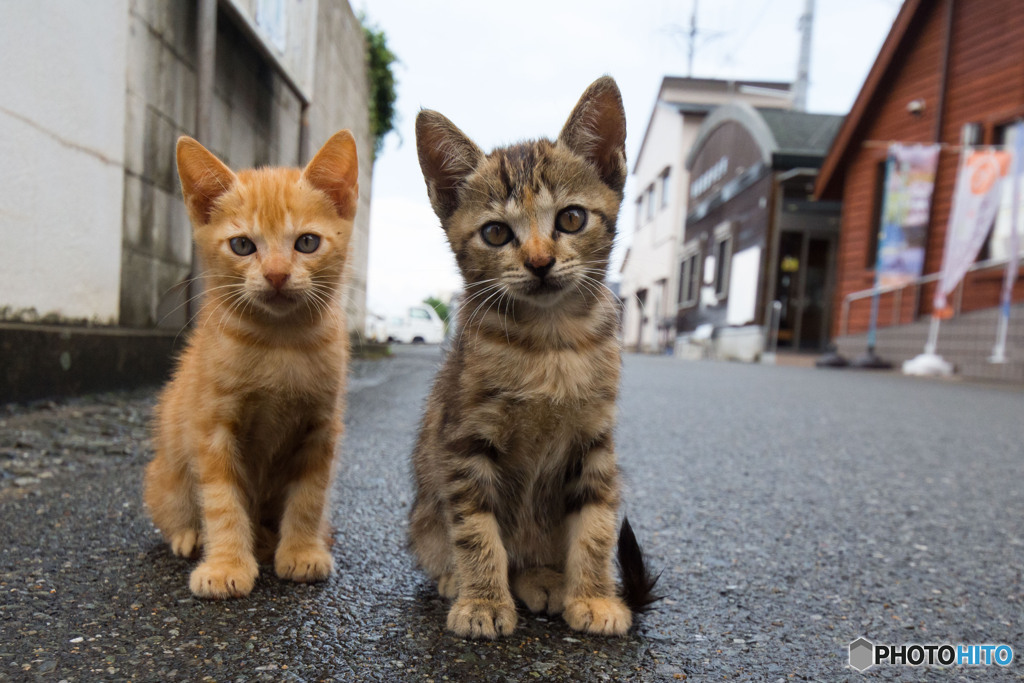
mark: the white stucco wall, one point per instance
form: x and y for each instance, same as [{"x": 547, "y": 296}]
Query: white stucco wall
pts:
[
  {"x": 653, "y": 247},
  {"x": 62, "y": 123}
]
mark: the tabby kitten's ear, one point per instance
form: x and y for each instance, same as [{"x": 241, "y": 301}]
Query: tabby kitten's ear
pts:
[
  {"x": 596, "y": 130},
  {"x": 204, "y": 178},
  {"x": 335, "y": 171},
  {"x": 447, "y": 157}
]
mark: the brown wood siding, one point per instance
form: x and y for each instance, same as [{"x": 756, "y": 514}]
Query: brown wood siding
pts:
[
  {"x": 985, "y": 84},
  {"x": 731, "y": 140},
  {"x": 750, "y": 228}
]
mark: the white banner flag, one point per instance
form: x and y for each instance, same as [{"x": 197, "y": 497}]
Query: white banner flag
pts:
[{"x": 975, "y": 203}]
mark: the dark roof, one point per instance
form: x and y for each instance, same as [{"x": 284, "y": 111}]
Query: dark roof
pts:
[
  {"x": 800, "y": 133},
  {"x": 784, "y": 137}
]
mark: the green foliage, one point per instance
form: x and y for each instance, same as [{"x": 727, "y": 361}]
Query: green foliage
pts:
[
  {"x": 379, "y": 65},
  {"x": 440, "y": 307}
]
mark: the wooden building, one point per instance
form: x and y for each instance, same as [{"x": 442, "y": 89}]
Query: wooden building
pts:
[
  {"x": 950, "y": 72},
  {"x": 753, "y": 236}
]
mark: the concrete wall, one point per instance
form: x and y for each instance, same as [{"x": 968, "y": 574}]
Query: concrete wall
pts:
[
  {"x": 653, "y": 247},
  {"x": 341, "y": 99},
  {"x": 62, "y": 133},
  {"x": 255, "y": 122}
]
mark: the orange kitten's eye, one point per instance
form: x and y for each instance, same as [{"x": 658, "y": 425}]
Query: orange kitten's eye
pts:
[
  {"x": 242, "y": 246},
  {"x": 496, "y": 234},
  {"x": 571, "y": 220},
  {"x": 307, "y": 243}
]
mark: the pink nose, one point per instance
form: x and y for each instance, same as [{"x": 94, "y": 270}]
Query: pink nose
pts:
[
  {"x": 276, "y": 279},
  {"x": 540, "y": 265}
]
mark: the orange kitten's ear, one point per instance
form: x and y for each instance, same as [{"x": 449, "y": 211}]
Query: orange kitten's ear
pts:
[
  {"x": 204, "y": 178},
  {"x": 335, "y": 171},
  {"x": 596, "y": 130},
  {"x": 447, "y": 157}
]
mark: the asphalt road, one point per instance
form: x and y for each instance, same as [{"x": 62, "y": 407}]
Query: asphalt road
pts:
[{"x": 789, "y": 510}]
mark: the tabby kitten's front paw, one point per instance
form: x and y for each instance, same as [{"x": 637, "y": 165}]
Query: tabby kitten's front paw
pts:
[
  {"x": 603, "y": 616},
  {"x": 482, "y": 618},
  {"x": 448, "y": 586},
  {"x": 221, "y": 579},
  {"x": 542, "y": 589},
  {"x": 303, "y": 564}
]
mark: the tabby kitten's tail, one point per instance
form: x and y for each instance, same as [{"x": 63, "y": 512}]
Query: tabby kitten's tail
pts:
[{"x": 637, "y": 589}]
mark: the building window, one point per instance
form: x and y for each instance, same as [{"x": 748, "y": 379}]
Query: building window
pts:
[
  {"x": 998, "y": 243},
  {"x": 689, "y": 279},
  {"x": 664, "y": 187},
  {"x": 650, "y": 202},
  {"x": 876, "y": 217},
  {"x": 970, "y": 134},
  {"x": 723, "y": 255}
]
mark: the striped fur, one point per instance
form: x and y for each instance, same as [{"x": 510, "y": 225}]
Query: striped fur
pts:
[
  {"x": 517, "y": 487},
  {"x": 246, "y": 431}
]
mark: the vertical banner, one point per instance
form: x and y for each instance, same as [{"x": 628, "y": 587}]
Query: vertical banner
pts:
[
  {"x": 1013, "y": 262},
  {"x": 976, "y": 200},
  {"x": 1013, "y": 265},
  {"x": 909, "y": 181}
]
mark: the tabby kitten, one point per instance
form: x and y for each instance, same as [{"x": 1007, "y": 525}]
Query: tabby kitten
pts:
[
  {"x": 246, "y": 431},
  {"x": 517, "y": 487}
]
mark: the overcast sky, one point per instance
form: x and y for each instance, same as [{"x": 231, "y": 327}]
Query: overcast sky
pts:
[{"x": 509, "y": 71}]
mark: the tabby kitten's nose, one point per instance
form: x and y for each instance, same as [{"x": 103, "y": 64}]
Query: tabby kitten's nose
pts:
[
  {"x": 276, "y": 279},
  {"x": 539, "y": 266}
]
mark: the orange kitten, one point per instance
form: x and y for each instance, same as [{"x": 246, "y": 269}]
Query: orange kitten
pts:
[{"x": 246, "y": 431}]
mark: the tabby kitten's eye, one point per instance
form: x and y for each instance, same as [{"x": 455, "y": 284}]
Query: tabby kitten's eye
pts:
[
  {"x": 242, "y": 246},
  {"x": 571, "y": 220},
  {"x": 307, "y": 243},
  {"x": 496, "y": 234}
]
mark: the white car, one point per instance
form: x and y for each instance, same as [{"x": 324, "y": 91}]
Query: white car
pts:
[
  {"x": 376, "y": 328},
  {"x": 420, "y": 325}
]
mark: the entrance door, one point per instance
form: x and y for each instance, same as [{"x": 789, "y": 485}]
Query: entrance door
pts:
[{"x": 802, "y": 287}]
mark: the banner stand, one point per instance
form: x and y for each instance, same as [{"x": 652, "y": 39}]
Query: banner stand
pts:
[
  {"x": 975, "y": 205},
  {"x": 1012, "y": 267},
  {"x": 909, "y": 183},
  {"x": 929, "y": 363},
  {"x": 869, "y": 360},
  {"x": 999, "y": 351}
]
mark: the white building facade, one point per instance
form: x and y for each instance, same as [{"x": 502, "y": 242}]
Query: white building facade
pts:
[{"x": 658, "y": 205}]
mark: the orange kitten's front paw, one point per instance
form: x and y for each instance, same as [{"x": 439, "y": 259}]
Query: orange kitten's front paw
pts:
[
  {"x": 604, "y": 616},
  {"x": 482, "y": 618},
  {"x": 186, "y": 543},
  {"x": 219, "y": 579},
  {"x": 303, "y": 564}
]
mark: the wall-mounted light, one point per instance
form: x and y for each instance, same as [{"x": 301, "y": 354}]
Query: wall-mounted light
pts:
[{"x": 916, "y": 107}]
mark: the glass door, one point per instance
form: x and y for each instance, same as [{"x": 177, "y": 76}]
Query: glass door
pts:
[{"x": 802, "y": 287}]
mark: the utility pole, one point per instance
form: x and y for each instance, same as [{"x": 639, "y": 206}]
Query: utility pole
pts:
[
  {"x": 803, "y": 67},
  {"x": 693, "y": 40}
]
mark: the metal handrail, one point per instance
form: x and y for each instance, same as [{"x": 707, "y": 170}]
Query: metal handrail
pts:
[{"x": 897, "y": 291}]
